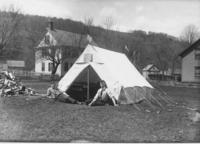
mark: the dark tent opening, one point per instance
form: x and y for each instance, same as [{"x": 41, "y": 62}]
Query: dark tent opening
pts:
[{"x": 85, "y": 85}]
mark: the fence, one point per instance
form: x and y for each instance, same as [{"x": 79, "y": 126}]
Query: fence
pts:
[
  {"x": 175, "y": 84},
  {"x": 164, "y": 77},
  {"x": 23, "y": 74}
]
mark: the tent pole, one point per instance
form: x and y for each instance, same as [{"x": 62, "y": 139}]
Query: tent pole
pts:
[{"x": 88, "y": 83}]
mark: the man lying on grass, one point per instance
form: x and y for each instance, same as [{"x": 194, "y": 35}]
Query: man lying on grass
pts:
[
  {"x": 102, "y": 96},
  {"x": 55, "y": 93}
]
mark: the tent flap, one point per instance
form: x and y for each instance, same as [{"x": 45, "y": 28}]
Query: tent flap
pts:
[{"x": 70, "y": 76}]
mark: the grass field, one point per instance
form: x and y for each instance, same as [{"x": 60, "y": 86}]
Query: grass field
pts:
[{"x": 43, "y": 120}]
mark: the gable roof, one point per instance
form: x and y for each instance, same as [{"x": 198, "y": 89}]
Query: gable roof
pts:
[
  {"x": 190, "y": 48},
  {"x": 149, "y": 67},
  {"x": 66, "y": 38}
]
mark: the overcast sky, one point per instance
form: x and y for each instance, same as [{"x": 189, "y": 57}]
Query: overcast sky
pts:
[{"x": 168, "y": 16}]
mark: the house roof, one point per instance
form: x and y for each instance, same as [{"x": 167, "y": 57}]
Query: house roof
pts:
[
  {"x": 149, "y": 67},
  {"x": 65, "y": 38},
  {"x": 190, "y": 48}
]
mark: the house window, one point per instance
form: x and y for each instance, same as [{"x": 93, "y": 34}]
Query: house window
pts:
[
  {"x": 197, "y": 55},
  {"x": 47, "y": 39},
  {"x": 50, "y": 67},
  {"x": 66, "y": 66},
  {"x": 43, "y": 66},
  {"x": 197, "y": 72}
]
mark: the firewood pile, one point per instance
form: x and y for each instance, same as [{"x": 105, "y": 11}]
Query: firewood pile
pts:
[{"x": 10, "y": 86}]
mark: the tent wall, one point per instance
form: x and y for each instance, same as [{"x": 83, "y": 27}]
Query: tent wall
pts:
[
  {"x": 71, "y": 75},
  {"x": 124, "y": 81}
]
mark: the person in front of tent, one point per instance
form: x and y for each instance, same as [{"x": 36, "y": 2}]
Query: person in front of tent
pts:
[
  {"x": 54, "y": 93},
  {"x": 102, "y": 96}
]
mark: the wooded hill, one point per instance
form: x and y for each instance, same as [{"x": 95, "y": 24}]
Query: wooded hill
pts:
[{"x": 142, "y": 48}]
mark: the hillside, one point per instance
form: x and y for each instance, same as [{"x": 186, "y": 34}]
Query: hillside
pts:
[{"x": 144, "y": 48}]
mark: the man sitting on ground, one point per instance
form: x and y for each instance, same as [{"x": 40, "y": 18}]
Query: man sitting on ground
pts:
[
  {"x": 55, "y": 93},
  {"x": 102, "y": 96}
]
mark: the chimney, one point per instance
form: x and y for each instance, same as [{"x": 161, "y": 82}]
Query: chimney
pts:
[{"x": 51, "y": 26}]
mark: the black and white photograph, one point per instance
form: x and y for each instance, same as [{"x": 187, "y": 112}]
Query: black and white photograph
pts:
[{"x": 100, "y": 71}]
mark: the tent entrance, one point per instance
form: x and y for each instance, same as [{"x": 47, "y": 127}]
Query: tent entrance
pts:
[{"x": 85, "y": 85}]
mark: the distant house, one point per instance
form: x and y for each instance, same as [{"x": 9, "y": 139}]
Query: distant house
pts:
[
  {"x": 150, "y": 69},
  {"x": 71, "y": 45},
  {"x": 191, "y": 63}
]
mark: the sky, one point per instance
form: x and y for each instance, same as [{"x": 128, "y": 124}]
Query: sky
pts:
[{"x": 166, "y": 16}]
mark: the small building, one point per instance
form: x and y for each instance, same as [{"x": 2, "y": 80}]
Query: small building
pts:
[
  {"x": 67, "y": 45},
  {"x": 3, "y": 65},
  {"x": 11, "y": 65},
  {"x": 15, "y": 64},
  {"x": 150, "y": 69},
  {"x": 191, "y": 63}
]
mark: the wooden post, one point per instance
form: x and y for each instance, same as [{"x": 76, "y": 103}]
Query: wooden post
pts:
[{"x": 88, "y": 83}]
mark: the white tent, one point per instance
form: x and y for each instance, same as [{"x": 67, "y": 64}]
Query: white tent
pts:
[{"x": 124, "y": 81}]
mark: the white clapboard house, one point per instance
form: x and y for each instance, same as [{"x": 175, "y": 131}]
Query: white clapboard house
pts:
[{"x": 70, "y": 46}]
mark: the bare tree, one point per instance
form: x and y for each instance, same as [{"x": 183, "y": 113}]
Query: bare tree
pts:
[
  {"x": 54, "y": 55},
  {"x": 88, "y": 22},
  {"x": 190, "y": 34},
  {"x": 58, "y": 54},
  {"x": 34, "y": 32},
  {"x": 160, "y": 57},
  {"x": 109, "y": 22},
  {"x": 109, "y": 37},
  {"x": 9, "y": 22}
]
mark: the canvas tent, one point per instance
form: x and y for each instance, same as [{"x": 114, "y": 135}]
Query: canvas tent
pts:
[{"x": 124, "y": 81}]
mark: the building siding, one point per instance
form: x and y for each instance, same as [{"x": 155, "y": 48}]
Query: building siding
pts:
[
  {"x": 39, "y": 60},
  {"x": 59, "y": 39},
  {"x": 188, "y": 64},
  {"x": 38, "y": 67}
]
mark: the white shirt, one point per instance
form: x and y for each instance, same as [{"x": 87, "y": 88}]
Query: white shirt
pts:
[{"x": 101, "y": 94}]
